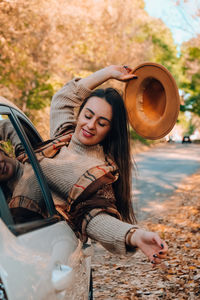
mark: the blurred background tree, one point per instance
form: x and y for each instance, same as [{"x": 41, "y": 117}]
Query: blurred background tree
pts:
[
  {"x": 24, "y": 54},
  {"x": 190, "y": 60},
  {"x": 43, "y": 44}
]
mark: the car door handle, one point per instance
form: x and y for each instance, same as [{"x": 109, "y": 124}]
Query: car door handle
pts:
[{"x": 62, "y": 277}]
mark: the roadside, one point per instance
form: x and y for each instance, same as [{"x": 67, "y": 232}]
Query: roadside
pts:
[
  {"x": 178, "y": 222},
  {"x": 139, "y": 147}
]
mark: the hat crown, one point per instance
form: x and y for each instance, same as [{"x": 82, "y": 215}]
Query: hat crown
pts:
[{"x": 153, "y": 98}]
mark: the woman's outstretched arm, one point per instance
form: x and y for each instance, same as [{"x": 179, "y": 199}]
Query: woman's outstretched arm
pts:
[{"x": 117, "y": 237}]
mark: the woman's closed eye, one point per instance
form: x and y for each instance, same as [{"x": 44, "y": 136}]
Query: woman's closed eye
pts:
[
  {"x": 87, "y": 116},
  {"x": 103, "y": 124}
]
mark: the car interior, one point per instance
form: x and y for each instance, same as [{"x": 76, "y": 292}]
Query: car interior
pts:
[{"x": 18, "y": 217}]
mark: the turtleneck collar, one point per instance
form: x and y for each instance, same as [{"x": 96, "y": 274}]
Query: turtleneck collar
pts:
[{"x": 90, "y": 150}]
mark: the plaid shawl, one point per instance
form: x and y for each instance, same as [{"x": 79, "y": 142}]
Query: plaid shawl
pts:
[
  {"x": 89, "y": 197},
  {"x": 25, "y": 202},
  {"x": 85, "y": 199}
]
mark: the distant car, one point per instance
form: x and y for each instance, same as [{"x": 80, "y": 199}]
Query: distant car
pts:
[
  {"x": 39, "y": 259},
  {"x": 186, "y": 139}
]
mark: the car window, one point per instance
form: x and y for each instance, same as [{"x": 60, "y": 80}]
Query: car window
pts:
[
  {"x": 30, "y": 131},
  {"x": 25, "y": 193}
]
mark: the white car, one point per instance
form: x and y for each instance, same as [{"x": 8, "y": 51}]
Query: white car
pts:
[{"x": 39, "y": 258}]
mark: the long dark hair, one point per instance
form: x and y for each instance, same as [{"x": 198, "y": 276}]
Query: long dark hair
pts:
[{"x": 117, "y": 145}]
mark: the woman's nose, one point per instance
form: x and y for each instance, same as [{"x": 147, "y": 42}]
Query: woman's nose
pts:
[{"x": 91, "y": 124}]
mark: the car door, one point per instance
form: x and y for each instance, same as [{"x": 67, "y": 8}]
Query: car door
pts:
[{"x": 40, "y": 258}]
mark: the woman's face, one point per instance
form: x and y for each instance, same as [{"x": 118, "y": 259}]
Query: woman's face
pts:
[
  {"x": 7, "y": 167},
  {"x": 94, "y": 121}
]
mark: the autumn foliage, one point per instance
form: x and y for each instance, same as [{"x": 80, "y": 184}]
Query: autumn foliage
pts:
[{"x": 45, "y": 43}]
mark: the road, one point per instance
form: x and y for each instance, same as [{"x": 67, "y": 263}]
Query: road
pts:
[{"x": 159, "y": 172}]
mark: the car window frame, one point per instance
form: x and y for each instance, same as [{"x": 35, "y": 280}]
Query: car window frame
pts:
[{"x": 16, "y": 117}]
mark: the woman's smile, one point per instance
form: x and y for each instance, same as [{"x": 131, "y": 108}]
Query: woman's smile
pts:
[{"x": 86, "y": 133}]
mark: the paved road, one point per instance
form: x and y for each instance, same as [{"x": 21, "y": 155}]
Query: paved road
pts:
[{"x": 159, "y": 172}]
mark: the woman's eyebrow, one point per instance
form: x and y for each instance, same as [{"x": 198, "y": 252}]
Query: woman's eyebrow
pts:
[
  {"x": 99, "y": 117},
  {"x": 90, "y": 110}
]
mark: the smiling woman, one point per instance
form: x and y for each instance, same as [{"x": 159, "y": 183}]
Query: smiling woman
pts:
[{"x": 99, "y": 204}]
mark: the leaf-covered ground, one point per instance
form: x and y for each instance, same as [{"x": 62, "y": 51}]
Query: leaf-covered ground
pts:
[{"x": 178, "y": 277}]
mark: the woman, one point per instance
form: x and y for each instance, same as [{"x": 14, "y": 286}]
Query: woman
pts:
[
  {"x": 102, "y": 121},
  {"x": 93, "y": 173}
]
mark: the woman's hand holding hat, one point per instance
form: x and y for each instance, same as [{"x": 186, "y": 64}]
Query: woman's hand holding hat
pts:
[{"x": 121, "y": 73}]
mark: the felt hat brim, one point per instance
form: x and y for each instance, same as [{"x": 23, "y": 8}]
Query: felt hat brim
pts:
[{"x": 152, "y": 101}]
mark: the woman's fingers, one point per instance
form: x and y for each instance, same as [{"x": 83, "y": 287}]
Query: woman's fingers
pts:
[
  {"x": 160, "y": 254},
  {"x": 156, "y": 261},
  {"x": 161, "y": 251},
  {"x": 128, "y": 77},
  {"x": 157, "y": 258},
  {"x": 127, "y": 68},
  {"x": 163, "y": 256},
  {"x": 151, "y": 245},
  {"x": 162, "y": 245},
  {"x": 121, "y": 73}
]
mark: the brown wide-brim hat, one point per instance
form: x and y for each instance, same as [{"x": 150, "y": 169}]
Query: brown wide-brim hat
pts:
[{"x": 152, "y": 101}]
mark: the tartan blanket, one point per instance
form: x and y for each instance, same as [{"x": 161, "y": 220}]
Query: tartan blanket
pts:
[
  {"x": 25, "y": 202},
  {"x": 89, "y": 197}
]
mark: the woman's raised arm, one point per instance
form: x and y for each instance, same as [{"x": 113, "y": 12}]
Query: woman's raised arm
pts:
[{"x": 121, "y": 73}]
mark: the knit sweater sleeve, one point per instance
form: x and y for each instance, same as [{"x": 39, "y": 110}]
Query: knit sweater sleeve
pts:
[
  {"x": 110, "y": 233},
  {"x": 63, "y": 103}
]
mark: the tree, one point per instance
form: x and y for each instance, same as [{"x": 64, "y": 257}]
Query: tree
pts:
[
  {"x": 163, "y": 49},
  {"x": 24, "y": 55},
  {"x": 190, "y": 59}
]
